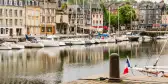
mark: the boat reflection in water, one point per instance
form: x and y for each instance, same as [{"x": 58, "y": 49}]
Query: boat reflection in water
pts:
[{"x": 63, "y": 64}]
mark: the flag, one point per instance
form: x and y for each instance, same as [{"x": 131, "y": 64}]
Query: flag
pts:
[{"x": 126, "y": 70}]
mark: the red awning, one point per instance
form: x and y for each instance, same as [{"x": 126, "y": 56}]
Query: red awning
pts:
[{"x": 104, "y": 27}]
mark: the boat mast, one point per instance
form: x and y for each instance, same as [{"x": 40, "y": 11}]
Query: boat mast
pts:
[
  {"x": 90, "y": 15},
  {"x": 76, "y": 17},
  {"x": 118, "y": 20},
  {"x": 83, "y": 15},
  {"x": 109, "y": 18},
  {"x": 45, "y": 17}
]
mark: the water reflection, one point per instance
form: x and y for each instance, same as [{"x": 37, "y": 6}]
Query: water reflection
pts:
[{"x": 61, "y": 64}]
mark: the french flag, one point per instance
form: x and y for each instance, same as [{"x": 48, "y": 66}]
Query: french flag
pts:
[{"x": 126, "y": 70}]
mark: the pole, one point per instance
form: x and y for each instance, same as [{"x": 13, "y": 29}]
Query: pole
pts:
[
  {"x": 90, "y": 16},
  {"x": 109, "y": 19},
  {"x": 45, "y": 17},
  {"x": 83, "y": 16},
  {"x": 76, "y": 17},
  {"x": 25, "y": 16},
  {"x": 118, "y": 21}
]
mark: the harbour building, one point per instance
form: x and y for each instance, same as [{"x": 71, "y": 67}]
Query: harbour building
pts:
[
  {"x": 12, "y": 18},
  {"x": 33, "y": 10},
  {"x": 48, "y": 15}
]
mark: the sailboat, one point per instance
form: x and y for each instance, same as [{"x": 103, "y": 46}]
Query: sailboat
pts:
[{"x": 156, "y": 70}]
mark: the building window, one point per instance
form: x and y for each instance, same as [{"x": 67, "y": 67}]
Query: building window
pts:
[
  {"x": 20, "y": 3},
  {"x": 43, "y": 29},
  {"x": 32, "y": 3},
  {"x": 16, "y": 13},
  {"x": 6, "y": 22},
  {"x": 52, "y": 19},
  {"x": 6, "y": 12},
  {"x": 43, "y": 18},
  {"x": 5, "y": 2},
  {"x": 10, "y": 22},
  {"x": 21, "y": 22},
  {"x": 10, "y": 12},
  {"x": 93, "y": 21},
  {"x": 96, "y": 21},
  {"x": 16, "y": 22},
  {"x": 28, "y": 3},
  {"x": 97, "y": 16},
  {"x": 100, "y": 16},
  {"x": 0, "y": 12},
  {"x": 48, "y": 19},
  {"x": 93, "y": 15},
  {"x": 49, "y": 29},
  {"x": 2, "y": 30},
  {"x": 6, "y": 30},
  {"x": 1, "y": 21},
  {"x": 20, "y": 13},
  {"x": 15, "y": 3},
  {"x": 100, "y": 21},
  {"x": 10, "y": 2},
  {"x": 1, "y": 2}
]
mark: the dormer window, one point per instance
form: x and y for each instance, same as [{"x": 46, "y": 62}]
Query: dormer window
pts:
[
  {"x": 33, "y": 3},
  {"x": 1, "y": 2},
  {"x": 15, "y": 3},
  {"x": 28, "y": 3},
  {"x": 5, "y": 2},
  {"x": 20, "y": 3},
  {"x": 10, "y": 2}
]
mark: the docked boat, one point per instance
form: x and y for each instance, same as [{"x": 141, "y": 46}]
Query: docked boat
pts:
[
  {"x": 133, "y": 38},
  {"x": 29, "y": 44},
  {"x": 13, "y": 45},
  {"x": 49, "y": 42},
  {"x": 77, "y": 42},
  {"x": 5, "y": 47}
]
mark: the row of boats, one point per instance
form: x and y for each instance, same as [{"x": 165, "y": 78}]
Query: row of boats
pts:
[{"x": 51, "y": 42}]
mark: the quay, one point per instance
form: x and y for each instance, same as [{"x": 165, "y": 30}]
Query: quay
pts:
[{"x": 125, "y": 80}]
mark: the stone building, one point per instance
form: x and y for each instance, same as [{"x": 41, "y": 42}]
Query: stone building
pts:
[
  {"x": 48, "y": 16},
  {"x": 12, "y": 18},
  {"x": 149, "y": 15},
  {"x": 33, "y": 17}
]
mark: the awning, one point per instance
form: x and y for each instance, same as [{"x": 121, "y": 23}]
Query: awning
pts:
[
  {"x": 164, "y": 25},
  {"x": 156, "y": 25},
  {"x": 104, "y": 27}
]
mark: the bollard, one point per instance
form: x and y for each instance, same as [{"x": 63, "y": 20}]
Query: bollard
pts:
[{"x": 114, "y": 75}]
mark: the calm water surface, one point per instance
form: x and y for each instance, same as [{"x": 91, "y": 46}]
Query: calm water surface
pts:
[{"x": 63, "y": 64}]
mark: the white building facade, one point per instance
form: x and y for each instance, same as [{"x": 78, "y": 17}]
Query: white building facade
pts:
[{"x": 12, "y": 18}]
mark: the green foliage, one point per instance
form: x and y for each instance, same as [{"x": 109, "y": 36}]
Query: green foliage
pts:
[
  {"x": 64, "y": 6},
  {"x": 126, "y": 12}
]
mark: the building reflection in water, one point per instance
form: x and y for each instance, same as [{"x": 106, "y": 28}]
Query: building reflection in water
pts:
[{"x": 48, "y": 64}]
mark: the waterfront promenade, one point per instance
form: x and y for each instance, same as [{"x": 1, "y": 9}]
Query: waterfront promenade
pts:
[{"x": 125, "y": 80}]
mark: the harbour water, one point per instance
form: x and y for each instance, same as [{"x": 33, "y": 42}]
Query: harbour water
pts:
[{"x": 67, "y": 63}]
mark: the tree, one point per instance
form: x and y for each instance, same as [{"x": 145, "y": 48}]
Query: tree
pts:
[{"x": 127, "y": 13}]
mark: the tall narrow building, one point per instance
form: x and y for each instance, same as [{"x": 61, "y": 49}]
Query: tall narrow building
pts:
[
  {"x": 48, "y": 15},
  {"x": 33, "y": 10}
]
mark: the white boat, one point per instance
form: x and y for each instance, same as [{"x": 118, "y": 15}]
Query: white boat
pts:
[
  {"x": 14, "y": 45},
  {"x": 103, "y": 41},
  {"x": 90, "y": 41},
  {"x": 29, "y": 44},
  {"x": 77, "y": 42},
  {"x": 61, "y": 43},
  {"x": 145, "y": 38},
  {"x": 111, "y": 40},
  {"x": 5, "y": 47}
]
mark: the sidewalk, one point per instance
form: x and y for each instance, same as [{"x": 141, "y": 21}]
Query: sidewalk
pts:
[{"x": 125, "y": 80}]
